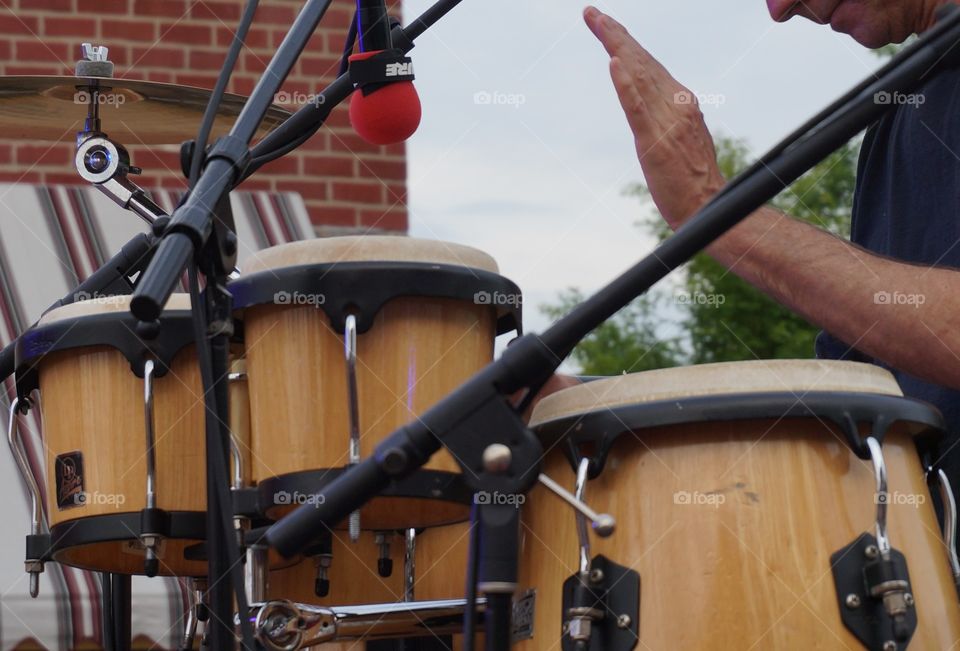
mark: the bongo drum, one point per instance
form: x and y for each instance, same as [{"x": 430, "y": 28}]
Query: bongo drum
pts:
[
  {"x": 347, "y": 339},
  {"x": 123, "y": 424},
  {"x": 745, "y": 518}
]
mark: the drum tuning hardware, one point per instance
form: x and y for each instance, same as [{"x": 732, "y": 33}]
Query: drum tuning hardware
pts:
[
  {"x": 409, "y": 564},
  {"x": 601, "y": 615},
  {"x": 353, "y": 398},
  {"x": 602, "y": 524},
  {"x": 287, "y": 626},
  {"x": 194, "y": 607},
  {"x": 323, "y": 558},
  {"x": 150, "y": 535},
  {"x": 384, "y": 562},
  {"x": 949, "y": 521},
  {"x": 871, "y": 577},
  {"x": 38, "y": 543}
]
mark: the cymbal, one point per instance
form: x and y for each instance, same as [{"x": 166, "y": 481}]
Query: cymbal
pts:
[{"x": 133, "y": 112}]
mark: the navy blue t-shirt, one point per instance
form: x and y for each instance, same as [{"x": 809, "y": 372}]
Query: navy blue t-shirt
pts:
[{"x": 907, "y": 206}]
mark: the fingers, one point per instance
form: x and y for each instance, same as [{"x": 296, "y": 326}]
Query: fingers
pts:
[{"x": 615, "y": 38}]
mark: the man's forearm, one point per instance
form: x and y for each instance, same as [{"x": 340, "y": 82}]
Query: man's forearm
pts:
[{"x": 906, "y": 315}]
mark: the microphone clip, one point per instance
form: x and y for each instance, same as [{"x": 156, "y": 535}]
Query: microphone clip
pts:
[{"x": 370, "y": 71}]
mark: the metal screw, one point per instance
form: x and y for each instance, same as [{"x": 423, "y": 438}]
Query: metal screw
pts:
[
  {"x": 889, "y": 645},
  {"x": 871, "y": 552},
  {"x": 853, "y": 600},
  {"x": 624, "y": 621},
  {"x": 566, "y": 628},
  {"x": 497, "y": 458},
  {"x": 908, "y": 599},
  {"x": 596, "y": 576}
]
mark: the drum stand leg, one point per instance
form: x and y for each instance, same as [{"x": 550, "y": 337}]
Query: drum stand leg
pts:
[{"x": 115, "y": 599}]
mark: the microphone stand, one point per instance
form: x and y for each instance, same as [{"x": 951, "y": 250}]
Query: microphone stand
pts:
[{"x": 483, "y": 429}]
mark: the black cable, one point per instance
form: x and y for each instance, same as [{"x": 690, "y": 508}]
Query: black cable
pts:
[
  {"x": 473, "y": 559},
  {"x": 213, "y": 104},
  {"x": 219, "y": 482}
]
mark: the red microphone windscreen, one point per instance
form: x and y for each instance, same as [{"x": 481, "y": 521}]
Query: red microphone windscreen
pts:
[{"x": 388, "y": 115}]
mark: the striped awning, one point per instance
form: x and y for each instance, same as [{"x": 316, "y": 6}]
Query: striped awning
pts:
[{"x": 51, "y": 238}]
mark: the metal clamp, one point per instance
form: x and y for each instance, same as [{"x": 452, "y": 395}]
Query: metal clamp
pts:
[
  {"x": 882, "y": 494},
  {"x": 287, "y": 626},
  {"x": 583, "y": 534},
  {"x": 149, "y": 537},
  {"x": 235, "y": 452},
  {"x": 350, "y": 352},
  {"x": 35, "y": 562},
  {"x": 603, "y": 524},
  {"x": 409, "y": 564}
]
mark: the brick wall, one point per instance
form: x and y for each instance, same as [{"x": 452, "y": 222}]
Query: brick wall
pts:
[{"x": 346, "y": 183}]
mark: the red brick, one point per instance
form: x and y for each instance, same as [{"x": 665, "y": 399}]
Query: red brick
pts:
[
  {"x": 358, "y": 192},
  {"x": 6, "y": 50},
  {"x": 157, "y": 75},
  {"x": 206, "y": 60},
  {"x": 307, "y": 190},
  {"x": 227, "y": 12},
  {"x": 387, "y": 170},
  {"x": 171, "y": 8},
  {"x": 128, "y": 30},
  {"x": 184, "y": 32},
  {"x": 159, "y": 57},
  {"x": 392, "y": 220},
  {"x": 11, "y": 24},
  {"x": 397, "y": 193},
  {"x": 99, "y": 7},
  {"x": 256, "y": 38},
  {"x": 63, "y": 26},
  {"x": 327, "y": 166},
  {"x": 43, "y": 52},
  {"x": 47, "y": 5},
  {"x": 6, "y": 153},
  {"x": 317, "y": 66},
  {"x": 242, "y": 85},
  {"x": 332, "y": 215},
  {"x": 19, "y": 176},
  {"x": 255, "y": 63},
  {"x": 276, "y": 14},
  {"x": 200, "y": 81},
  {"x": 54, "y": 178},
  {"x": 32, "y": 70},
  {"x": 286, "y": 165}
]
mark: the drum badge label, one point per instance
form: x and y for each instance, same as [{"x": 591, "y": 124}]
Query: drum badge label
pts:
[{"x": 68, "y": 469}]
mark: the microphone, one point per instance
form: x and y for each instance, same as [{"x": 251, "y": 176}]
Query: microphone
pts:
[{"x": 385, "y": 108}]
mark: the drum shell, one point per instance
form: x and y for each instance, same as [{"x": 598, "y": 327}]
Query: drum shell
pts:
[
  {"x": 92, "y": 403},
  {"x": 416, "y": 352},
  {"x": 731, "y": 527}
]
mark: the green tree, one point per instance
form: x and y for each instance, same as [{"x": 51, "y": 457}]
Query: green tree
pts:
[{"x": 715, "y": 316}]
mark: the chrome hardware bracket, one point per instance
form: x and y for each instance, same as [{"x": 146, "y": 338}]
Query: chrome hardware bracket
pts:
[
  {"x": 353, "y": 398},
  {"x": 38, "y": 543}
]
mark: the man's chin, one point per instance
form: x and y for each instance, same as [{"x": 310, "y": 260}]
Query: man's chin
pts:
[{"x": 869, "y": 36}]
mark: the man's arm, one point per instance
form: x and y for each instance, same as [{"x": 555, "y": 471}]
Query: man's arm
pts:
[{"x": 828, "y": 281}]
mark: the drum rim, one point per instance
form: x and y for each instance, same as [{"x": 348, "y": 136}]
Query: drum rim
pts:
[
  {"x": 363, "y": 288},
  {"x": 604, "y": 426}
]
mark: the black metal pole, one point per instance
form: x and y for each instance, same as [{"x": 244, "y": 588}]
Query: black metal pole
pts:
[{"x": 115, "y": 612}]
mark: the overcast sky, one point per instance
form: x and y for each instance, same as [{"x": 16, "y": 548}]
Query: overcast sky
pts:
[{"x": 532, "y": 170}]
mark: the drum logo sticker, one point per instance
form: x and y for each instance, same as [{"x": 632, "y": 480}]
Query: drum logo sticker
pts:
[
  {"x": 523, "y": 615},
  {"x": 68, "y": 470}
]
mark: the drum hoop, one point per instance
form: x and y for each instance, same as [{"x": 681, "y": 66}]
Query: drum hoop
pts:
[
  {"x": 362, "y": 289},
  {"x": 846, "y": 410},
  {"x": 435, "y": 485},
  {"x": 117, "y": 527},
  {"x": 114, "y": 330}
]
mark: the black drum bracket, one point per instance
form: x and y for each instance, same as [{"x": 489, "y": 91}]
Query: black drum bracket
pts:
[
  {"x": 601, "y": 609},
  {"x": 874, "y": 594},
  {"x": 847, "y": 411}
]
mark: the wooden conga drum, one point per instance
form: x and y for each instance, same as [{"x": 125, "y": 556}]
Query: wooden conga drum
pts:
[
  {"x": 88, "y": 362},
  {"x": 737, "y": 498},
  {"x": 349, "y": 338}
]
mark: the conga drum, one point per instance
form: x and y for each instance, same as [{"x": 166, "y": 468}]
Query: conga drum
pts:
[
  {"x": 745, "y": 519},
  {"x": 105, "y": 394},
  {"x": 347, "y": 339}
]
